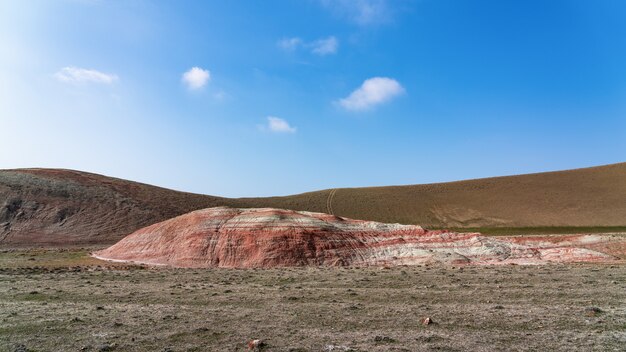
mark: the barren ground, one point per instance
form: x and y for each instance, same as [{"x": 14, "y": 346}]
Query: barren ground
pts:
[{"x": 63, "y": 300}]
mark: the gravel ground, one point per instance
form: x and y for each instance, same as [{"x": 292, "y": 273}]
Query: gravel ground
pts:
[{"x": 66, "y": 301}]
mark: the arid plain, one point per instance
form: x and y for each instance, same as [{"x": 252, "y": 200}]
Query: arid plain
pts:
[{"x": 63, "y": 300}]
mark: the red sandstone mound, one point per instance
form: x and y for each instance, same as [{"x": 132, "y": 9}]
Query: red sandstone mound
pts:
[{"x": 247, "y": 238}]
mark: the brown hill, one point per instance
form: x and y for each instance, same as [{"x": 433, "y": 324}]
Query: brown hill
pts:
[
  {"x": 266, "y": 238},
  {"x": 589, "y": 197},
  {"x": 64, "y": 207}
]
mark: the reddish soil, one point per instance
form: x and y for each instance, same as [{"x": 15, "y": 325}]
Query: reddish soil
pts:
[{"x": 251, "y": 238}]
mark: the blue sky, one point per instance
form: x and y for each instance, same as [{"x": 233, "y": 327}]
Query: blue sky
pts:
[{"x": 255, "y": 98}]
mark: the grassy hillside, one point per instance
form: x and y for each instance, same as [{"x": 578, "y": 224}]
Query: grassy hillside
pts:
[
  {"x": 65, "y": 207},
  {"x": 590, "y": 197}
]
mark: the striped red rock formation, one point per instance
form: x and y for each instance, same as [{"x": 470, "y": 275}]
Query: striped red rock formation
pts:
[{"x": 250, "y": 238}]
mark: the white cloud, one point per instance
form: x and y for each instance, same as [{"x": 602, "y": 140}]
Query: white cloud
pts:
[
  {"x": 325, "y": 46},
  {"x": 322, "y": 46},
  {"x": 289, "y": 44},
  {"x": 362, "y": 12},
  {"x": 82, "y": 75},
  {"x": 373, "y": 91},
  {"x": 196, "y": 78},
  {"x": 278, "y": 125}
]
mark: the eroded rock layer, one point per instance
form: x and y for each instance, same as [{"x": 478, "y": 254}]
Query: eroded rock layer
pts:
[{"x": 251, "y": 238}]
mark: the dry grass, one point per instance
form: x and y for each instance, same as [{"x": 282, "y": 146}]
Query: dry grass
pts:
[
  {"x": 587, "y": 198},
  {"x": 46, "y": 305}
]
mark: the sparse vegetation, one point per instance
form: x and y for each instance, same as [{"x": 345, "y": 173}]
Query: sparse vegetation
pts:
[
  {"x": 546, "y": 230},
  {"x": 84, "y": 304}
]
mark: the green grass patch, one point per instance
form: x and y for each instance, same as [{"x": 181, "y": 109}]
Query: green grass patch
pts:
[
  {"x": 47, "y": 258},
  {"x": 545, "y": 230}
]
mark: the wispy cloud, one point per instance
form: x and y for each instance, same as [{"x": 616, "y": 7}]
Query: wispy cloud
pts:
[
  {"x": 322, "y": 46},
  {"x": 372, "y": 92},
  {"x": 325, "y": 46},
  {"x": 278, "y": 125},
  {"x": 221, "y": 95},
  {"x": 289, "y": 44},
  {"x": 196, "y": 78},
  {"x": 362, "y": 12},
  {"x": 73, "y": 74}
]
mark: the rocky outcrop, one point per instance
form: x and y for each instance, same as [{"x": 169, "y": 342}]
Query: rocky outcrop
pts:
[{"x": 253, "y": 238}]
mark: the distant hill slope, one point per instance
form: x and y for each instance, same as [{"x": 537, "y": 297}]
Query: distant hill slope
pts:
[
  {"x": 65, "y": 207},
  {"x": 589, "y": 197}
]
